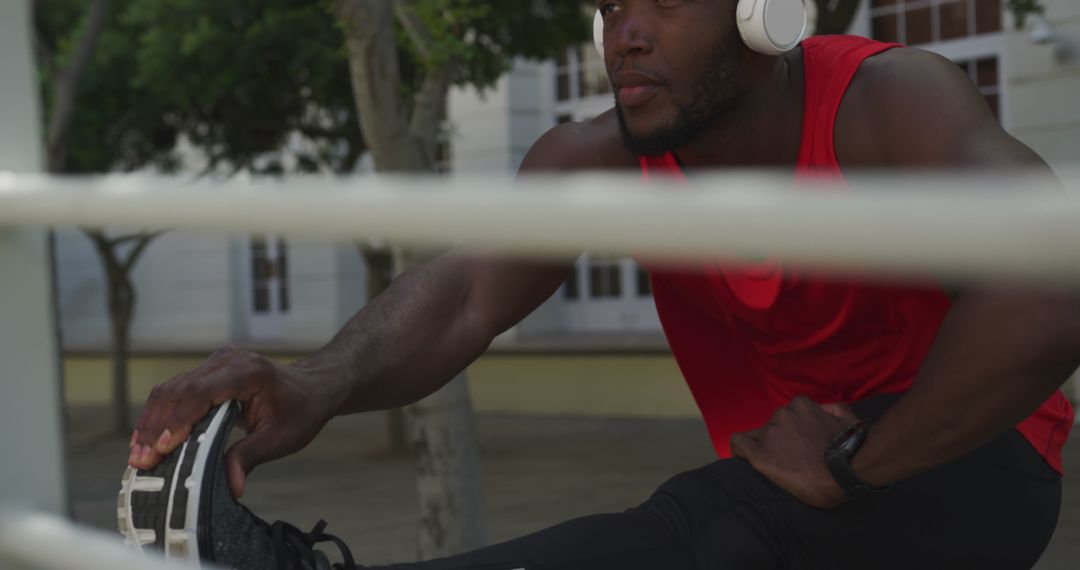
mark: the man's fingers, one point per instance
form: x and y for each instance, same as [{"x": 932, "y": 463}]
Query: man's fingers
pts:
[
  {"x": 173, "y": 408},
  {"x": 235, "y": 475},
  {"x": 746, "y": 444},
  {"x": 840, "y": 410},
  {"x": 185, "y": 415},
  {"x": 256, "y": 448},
  {"x": 144, "y": 457}
]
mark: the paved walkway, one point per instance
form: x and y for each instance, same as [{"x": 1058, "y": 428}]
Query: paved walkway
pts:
[{"x": 538, "y": 471}]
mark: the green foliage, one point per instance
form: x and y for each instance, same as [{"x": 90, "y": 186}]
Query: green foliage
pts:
[
  {"x": 241, "y": 79},
  {"x": 483, "y": 37},
  {"x": 236, "y": 78},
  {"x": 240, "y": 76},
  {"x": 1021, "y": 9}
]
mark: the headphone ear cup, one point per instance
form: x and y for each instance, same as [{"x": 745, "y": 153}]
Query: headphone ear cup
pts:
[
  {"x": 771, "y": 27},
  {"x": 598, "y": 33}
]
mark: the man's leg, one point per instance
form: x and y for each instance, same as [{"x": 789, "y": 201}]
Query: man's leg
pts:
[
  {"x": 994, "y": 509},
  {"x": 665, "y": 532}
]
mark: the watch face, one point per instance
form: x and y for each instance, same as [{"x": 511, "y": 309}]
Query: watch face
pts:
[{"x": 848, "y": 441}]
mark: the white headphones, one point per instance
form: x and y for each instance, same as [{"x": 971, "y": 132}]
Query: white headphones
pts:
[{"x": 771, "y": 27}]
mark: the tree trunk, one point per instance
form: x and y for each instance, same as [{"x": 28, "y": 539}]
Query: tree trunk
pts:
[
  {"x": 448, "y": 476},
  {"x": 119, "y": 351},
  {"x": 376, "y": 81},
  {"x": 120, "y": 300},
  {"x": 121, "y": 309},
  {"x": 66, "y": 85},
  {"x": 448, "y": 471}
]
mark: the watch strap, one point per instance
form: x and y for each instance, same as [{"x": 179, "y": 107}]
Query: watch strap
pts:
[{"x": 838, "y": 459}]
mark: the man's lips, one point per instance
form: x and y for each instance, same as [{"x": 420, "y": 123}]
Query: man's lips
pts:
[
  {"x": 633, "y": 96},
  {"x": 635, "y": 88}
]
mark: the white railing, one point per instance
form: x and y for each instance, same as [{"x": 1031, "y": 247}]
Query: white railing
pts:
[
  {"x": 38, "y": 541},
  {"x": 953, "y": 228},
  {"x": 946, "y": 227}
]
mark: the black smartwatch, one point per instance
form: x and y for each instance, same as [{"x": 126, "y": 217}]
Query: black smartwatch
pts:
[{"x": 838, "y": 458}]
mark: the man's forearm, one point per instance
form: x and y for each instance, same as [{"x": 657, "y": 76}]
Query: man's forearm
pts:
[
  {"x": 998, "y": 356},
  {"x": 406, "y": 343}
]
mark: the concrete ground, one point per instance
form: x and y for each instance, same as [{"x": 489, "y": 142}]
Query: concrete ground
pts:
[{"x": 537, "y": 471}]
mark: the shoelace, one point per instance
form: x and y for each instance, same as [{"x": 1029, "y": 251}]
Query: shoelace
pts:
[{"x": 287, "y": 537}]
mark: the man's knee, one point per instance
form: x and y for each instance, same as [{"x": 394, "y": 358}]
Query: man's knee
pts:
[{"x": 689, "y": 501}]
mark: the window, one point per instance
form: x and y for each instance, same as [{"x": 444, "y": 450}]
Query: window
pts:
[
  {"x": 984, "y": 72},
  {"x": 605, "y": 278},
  {"x": 915, "y": 22},
  {"x": 608, "y": 294},
  {"x": 269, "y": 276},
  {"x": 581, "y": 74},
  {"x": 570, "y": 291},
  {"x": 260, "y": 277},
  {"x": 644, "y": 283},
  {"x": 283, "y": 273},
  {"x": 562, "y": 82}
]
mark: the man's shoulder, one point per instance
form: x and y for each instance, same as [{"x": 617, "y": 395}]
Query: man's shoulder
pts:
[
  {"x": 903, "y": 69},
  {"x": 595, "y": 144},
  {"x": 898, "y": 97}
]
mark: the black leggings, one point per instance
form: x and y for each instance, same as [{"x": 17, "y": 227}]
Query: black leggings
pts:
[{"x": 995, "y": 508}]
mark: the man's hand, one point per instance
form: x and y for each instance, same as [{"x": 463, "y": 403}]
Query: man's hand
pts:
[
  {"x": 790, "y": 449},
  {"x": 284, "y": 407}
]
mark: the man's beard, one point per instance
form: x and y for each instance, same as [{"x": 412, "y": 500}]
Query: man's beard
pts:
[{"x": 715, "y": 92}]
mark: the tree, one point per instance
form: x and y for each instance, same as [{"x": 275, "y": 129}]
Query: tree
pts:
[
  {"x": 121, "y": 95},
  {"x": 449, "y": 42},
  {"x": 1021, "y": 9}
]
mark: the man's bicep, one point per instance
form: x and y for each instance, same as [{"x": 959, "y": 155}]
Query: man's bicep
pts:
[
  {"x": 504, "y": 290},
  {"x": 988, "y": 145}
]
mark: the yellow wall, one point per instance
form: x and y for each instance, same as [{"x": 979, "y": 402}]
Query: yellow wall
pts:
[
  {"x": 619, "y": 385},
  {"x": 581, "y": 384}
]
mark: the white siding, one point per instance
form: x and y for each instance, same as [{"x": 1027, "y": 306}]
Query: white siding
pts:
[
  {"x": 1043, "y": 103},
  {"x": 183, "y": 286},
  {"x": 193, "y": 294}
]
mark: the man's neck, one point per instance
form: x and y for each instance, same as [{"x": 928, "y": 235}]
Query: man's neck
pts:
[{"x": 763, "y": 129}]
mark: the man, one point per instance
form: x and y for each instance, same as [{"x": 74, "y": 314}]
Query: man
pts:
[{"x": 961, "y": 467}]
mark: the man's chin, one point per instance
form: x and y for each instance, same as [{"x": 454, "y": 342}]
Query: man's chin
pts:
[
  {"x": 645, "y": 146},
  {"x": 653, "y": 140}
]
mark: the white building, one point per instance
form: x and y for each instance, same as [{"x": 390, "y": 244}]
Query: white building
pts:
[{"x": 199, "y": 292}]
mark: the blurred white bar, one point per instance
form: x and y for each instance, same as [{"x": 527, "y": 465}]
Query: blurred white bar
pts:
[
  {"x": 32, "y": 466},
  {"x": 951, "y": 228},
  {"x": 37, "y": 541}
]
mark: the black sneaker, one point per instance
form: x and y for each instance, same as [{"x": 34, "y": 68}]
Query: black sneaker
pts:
[{"x": 184, "y": 508}]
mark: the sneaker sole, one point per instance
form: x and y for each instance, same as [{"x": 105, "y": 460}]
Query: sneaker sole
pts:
[{"x": 161, "y": 508}]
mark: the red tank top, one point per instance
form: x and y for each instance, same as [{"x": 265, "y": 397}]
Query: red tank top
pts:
[{"x": 750, "y": 338}]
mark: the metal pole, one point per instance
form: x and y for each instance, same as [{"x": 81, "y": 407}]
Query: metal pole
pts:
[
  {"x": 31, "y": 468},
  {"x": 37, "y": 541}
]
